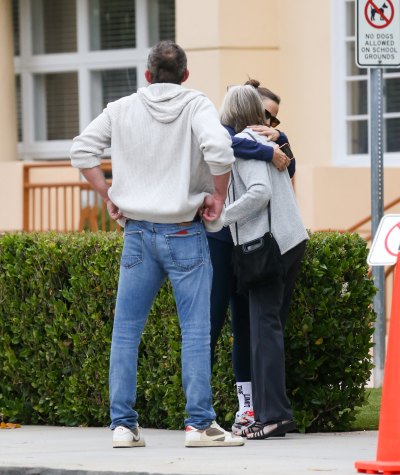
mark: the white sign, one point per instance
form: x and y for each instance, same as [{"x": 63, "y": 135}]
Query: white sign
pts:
[
  {"x": 386, "y": 244},
  {"x": 377, "y": 33}
]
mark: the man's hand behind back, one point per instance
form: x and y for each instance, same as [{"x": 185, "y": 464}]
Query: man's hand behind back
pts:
[
  {"x": 212, "y": 208},
  {"x": 113, "y": 210}
]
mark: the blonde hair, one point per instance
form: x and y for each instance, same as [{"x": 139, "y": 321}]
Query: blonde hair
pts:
[{"x": 241, "y": 107}]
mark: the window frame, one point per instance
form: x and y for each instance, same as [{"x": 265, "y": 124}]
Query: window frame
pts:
[{"x": 83, "y": 62}]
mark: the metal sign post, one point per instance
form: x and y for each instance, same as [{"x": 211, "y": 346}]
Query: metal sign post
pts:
[
  {"x": 377, "y": 46},
  {"x": 378, "y": 273}
]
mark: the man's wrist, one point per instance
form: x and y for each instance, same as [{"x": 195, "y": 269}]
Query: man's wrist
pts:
[
  {"x": 106, "y": 198},
  {"x": 219, "y": 198}
]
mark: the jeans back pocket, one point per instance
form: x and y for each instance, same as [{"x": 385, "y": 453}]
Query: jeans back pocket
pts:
[
  {"x": 185, "y": 250},
  {"x": 132, "y": 253}
]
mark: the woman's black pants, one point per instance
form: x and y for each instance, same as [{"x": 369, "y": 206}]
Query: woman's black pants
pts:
[{"x": 269, "y": 309}]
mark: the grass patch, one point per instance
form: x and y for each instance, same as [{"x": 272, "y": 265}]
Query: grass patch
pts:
[{"x": 367, "y": 417}]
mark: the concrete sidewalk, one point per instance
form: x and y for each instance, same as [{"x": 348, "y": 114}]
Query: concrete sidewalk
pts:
[{"x": 76, "y": 450}]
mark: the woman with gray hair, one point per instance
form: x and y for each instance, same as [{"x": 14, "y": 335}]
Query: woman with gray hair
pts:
[{"x": 261, "y": 199}]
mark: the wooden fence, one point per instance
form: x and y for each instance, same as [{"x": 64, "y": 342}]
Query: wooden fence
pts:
[{"x": 63, "y": 206}]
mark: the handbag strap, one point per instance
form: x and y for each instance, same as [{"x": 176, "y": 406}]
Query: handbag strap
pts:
[{"x": 234, "y": 199}]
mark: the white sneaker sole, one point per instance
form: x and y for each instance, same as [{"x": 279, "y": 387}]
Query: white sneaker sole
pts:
[
  {"x": 120, "y": 444},
  {"x": 214, "y": 443}
]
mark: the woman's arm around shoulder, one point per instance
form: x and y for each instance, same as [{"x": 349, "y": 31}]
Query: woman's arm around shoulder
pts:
[
  {"x": 255, "y": 177},
  {"x": 249, "y": 149}
]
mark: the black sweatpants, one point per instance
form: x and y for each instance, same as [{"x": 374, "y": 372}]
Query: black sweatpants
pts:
[{"x": 269, "y": 309}]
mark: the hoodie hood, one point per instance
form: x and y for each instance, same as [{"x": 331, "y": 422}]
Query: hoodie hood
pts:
[{"x": 165, "y": 101}]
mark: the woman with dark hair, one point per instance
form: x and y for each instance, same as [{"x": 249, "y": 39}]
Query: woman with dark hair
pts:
[
  {"x": 271, "y": 102},
  {"x": 224, "y": 286},
  {"x": 264, "y": 201}
]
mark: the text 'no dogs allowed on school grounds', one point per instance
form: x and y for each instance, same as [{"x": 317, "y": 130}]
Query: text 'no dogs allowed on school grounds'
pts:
[{"x": 378, "y": 33}]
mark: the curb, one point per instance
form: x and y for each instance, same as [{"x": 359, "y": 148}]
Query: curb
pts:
[{"x": 62, "y": 471}]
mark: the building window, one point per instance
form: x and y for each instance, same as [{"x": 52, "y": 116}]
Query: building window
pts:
[
  {"x": 357, "y": 133},
  {"x": 15, "y": 14},
  {"x": 118, "y": 83},
  {"x": 112, "y": 24},
  {"x": 162, "y": 20},
  {"x": 56, "y": 106},
  {"x": 110, "y": 85},
  {"x": 351, "y": 96},
  {"x": 54, "y": 26},
  {"x": 75, "y": 56},
  {"x": 18, "y": 101},
  {"x": 356, "y": 92}
]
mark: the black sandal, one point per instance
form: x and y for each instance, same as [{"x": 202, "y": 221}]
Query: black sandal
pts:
[
  {"x": 252, "y": 428},
  {"x": 266, "y": 430}
]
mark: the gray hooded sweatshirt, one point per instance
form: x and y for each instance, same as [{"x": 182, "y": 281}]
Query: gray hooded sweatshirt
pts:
[{"x": 166, "y": 143}]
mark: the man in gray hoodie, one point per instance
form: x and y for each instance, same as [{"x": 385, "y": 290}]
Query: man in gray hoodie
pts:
[{"x": 171, "y": 160}]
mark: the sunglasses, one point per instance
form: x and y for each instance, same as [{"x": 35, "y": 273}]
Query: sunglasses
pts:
[{"x": 274, "y": 121}]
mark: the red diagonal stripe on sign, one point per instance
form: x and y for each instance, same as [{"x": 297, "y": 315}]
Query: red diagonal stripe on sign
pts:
[{"x": 378, "y": 11}]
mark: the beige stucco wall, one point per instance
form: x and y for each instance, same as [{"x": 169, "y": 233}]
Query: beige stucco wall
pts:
[
  {"x": 268, "y": 41},
  {"x": 227, "y": 40},
  {"x": 230, "y": 43},
  {"x": 336, "y": 198},
  {"x": 12, "y": 192},
  {"x": 280, "y": 44},
  {"x": 305, "y": 78},
  {"x": 8, "y": 115},
  {"x": 11, "y": 195}
]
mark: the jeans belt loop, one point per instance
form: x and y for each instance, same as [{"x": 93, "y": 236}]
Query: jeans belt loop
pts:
[
  {"x": 185, "y": 223},
  {"x": 196, "y": 219}
]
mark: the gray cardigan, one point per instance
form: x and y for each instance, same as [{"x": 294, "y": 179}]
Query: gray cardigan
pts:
[{"x": 256, "y": 184}]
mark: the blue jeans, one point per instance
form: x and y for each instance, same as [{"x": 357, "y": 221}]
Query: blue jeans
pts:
[{"x": 151, "y": 253}]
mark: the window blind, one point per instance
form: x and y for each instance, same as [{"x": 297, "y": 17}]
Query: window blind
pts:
[
  {"x": 18, "y": 101},
  {"x": 392, "y": 135},
  {"x": 117, "y": 83},
  {"x": 62, "y": 110},
  {"x": 112, "y": 24},
  {"x": 166, "y": 20},
  {"x": 357, "y": 99},
  {"x": 15, "y": 15},
  {"x": 392, "y": 94},
  {"x": 357, "y": 137},
  {"x": 161, "y": 17},
  {"x": 54, "y": 28}
]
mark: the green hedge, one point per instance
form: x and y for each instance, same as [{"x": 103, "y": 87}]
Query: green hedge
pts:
[{"x": 57, "y": 295}]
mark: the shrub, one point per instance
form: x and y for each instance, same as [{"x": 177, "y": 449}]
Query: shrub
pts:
[
  {"x": 329, "y": 332},
  {"x": 57, "y": 296}
]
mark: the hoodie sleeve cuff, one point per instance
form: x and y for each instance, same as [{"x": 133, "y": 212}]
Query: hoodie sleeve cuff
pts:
[
  {"x": 217, "y": 225},
  {"x": 219, "y": 169}
]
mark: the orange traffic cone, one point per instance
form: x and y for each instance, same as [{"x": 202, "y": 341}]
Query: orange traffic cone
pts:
[{"x": 388, "y": 453}]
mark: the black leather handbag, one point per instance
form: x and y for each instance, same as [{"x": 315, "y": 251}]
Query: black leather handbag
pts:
[{"x": 256, "y": 261}]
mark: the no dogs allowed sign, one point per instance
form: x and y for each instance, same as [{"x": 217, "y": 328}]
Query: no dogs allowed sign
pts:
[{"x": 377, "y": 33}]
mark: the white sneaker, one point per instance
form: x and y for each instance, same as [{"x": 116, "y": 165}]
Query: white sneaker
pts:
[
  {"x": 242, "y": 421},
  {"x": 124, "y": 437},
  {"x": 212, "y": 436}
]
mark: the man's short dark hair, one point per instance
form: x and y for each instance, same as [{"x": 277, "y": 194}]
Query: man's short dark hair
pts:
[{"x": 167, "y": 62}]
